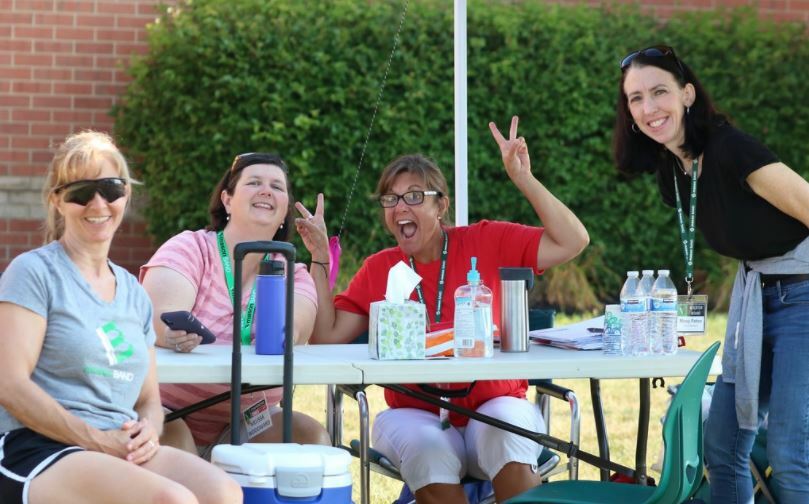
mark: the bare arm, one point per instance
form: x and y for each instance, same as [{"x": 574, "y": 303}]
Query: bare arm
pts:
[
  {"x": 23, "y": 334},
  {"x": 145, "y": 433},
  {"x": 565, "y": 236},
  {"x": 304, "y": 319},
  {"x": 783, "y": 188},
  {"x": 170, "y": 291},
  {"x": 331, "y": 325}
]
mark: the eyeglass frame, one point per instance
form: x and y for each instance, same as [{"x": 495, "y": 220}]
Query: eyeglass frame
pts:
[
  {"x": 95, "y": 184},
  {"x": 662, "y": 52},
  {"x": 402, "y": 197}
]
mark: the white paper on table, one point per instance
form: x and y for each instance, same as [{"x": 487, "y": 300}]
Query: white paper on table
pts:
[{"x": 584, "y": 335}]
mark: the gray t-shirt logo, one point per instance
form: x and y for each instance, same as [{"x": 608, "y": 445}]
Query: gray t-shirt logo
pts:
[{"x": 117, "y": 348}]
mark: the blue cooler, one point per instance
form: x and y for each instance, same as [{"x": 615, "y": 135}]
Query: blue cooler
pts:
[{"x": 271, "y": 473}]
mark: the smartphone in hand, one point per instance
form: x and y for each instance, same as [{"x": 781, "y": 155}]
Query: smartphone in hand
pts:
[{"x": 186, "y": 321}]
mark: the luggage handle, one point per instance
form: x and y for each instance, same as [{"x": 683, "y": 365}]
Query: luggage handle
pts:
[{"x": 241, "y": 250}]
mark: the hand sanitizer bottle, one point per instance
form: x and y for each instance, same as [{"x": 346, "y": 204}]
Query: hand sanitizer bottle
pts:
[{"x": 473, "y": 317}]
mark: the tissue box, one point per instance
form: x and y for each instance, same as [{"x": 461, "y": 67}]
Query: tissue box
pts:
[{"x": 397, "y": 331}]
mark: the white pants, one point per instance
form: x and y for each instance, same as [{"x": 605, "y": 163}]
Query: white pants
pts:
[{"x": 424, "y": 453}]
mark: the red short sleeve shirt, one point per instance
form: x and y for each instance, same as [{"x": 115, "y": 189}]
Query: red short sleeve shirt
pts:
[{"x": 495, "y": 244}]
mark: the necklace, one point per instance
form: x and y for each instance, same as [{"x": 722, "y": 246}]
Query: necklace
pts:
[{"x": 694, "y": 165}]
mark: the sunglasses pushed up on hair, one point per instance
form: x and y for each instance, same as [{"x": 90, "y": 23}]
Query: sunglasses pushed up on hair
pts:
[
  {"x": 82, "y": 192},
  {"x": 658, "y": 51}
]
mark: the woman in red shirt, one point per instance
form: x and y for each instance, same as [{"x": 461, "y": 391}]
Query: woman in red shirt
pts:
[{"x": 414, "y": 195}]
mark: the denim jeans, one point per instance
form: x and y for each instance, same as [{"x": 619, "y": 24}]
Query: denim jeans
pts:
[{"x": 783, "y": 392}]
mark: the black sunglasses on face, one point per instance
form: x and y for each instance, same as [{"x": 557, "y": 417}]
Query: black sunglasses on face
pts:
[
  {"x": 658, "y": 51},
  {"x": 82, "y": 192},
  {"x": 412, "y": 198}
]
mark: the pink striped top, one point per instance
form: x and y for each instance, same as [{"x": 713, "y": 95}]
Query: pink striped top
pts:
[{"x": 194, "y": 254}]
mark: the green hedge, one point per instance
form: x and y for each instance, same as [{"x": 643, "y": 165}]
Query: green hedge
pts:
[{"x": 301, "y": 78}]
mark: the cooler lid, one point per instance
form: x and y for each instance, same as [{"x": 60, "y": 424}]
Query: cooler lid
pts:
[{"x": 264, "y": 459}]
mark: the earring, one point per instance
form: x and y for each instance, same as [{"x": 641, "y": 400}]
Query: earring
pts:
[
  {"x": 687, "y": 110},
  {"x": 634, "y": 128},
  {"x": 281, "y": 226},
  {"x": 227, "y": 217}
]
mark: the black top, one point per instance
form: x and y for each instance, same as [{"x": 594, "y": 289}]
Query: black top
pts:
[{"x": 733, "y": 219}]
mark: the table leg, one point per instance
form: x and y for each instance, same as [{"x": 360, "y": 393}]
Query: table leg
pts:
[
  {"x": 334, "y": 415},
  {"x": 601, "y": 427},
  {"x": 643, "y": 431},
  {"x": 365, "y": 442}
]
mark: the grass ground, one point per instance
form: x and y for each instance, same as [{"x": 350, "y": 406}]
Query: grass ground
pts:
[{"x": 619, "y": 397}]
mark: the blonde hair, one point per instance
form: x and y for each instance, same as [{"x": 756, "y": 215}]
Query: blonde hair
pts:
[{"x": 81, "y": 155}]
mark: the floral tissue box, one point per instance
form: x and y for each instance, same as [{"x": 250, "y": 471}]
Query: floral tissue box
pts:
[{"x": 397, "y": 331}]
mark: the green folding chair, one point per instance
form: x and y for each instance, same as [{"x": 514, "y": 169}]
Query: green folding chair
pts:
[{"x": 682, "y": 461}]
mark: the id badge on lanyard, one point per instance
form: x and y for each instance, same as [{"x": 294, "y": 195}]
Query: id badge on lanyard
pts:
[{"x": 692, "y": 309}]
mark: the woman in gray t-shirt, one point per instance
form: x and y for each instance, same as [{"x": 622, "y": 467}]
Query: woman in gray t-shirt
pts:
[{"x": 80, "y": 413}]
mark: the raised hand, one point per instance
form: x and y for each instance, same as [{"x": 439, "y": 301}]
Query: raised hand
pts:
[
  {"x": 514, "y": 150},
  {"x": 312, "y": 229}
]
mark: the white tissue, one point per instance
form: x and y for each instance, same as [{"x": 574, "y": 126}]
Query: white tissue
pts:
[{"x": 401, "y": 282}]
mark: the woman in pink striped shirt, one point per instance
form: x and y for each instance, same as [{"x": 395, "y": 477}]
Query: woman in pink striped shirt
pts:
[{"x": 253, "y": 201}]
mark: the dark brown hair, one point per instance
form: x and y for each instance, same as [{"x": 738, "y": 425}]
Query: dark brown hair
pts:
[
  {"x": 216, "y": 209},
  {"x": 636, "y": 153}
]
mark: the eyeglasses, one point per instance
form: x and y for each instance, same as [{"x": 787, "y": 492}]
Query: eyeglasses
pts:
[
  {"x": 412, "y": 198},
  {"x": 658, "y": 51},
  {"x": 82, "y": 192}
]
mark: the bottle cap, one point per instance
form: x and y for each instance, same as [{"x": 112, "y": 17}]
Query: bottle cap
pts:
[
  {"x": 632, "y": 274},
  {"x": 473, "y": 276},
  {"x": 648, "y": 272},
  {"x": 271, "y": 268},
  {"x": 663, "y": 272}
]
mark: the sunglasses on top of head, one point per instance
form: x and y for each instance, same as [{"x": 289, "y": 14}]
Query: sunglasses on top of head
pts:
[
  {"x": 82, "y": 192},
  {"x": 412, "y": 198},
  {"x": 658, "y": 51},
  {"x": 260, "y": 158}
]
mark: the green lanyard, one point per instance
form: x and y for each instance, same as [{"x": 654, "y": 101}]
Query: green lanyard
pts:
[
  {"x": 441, "y": 276},
  {"x": 247, "y": 315},
  {"x": 687, "y": 236}
]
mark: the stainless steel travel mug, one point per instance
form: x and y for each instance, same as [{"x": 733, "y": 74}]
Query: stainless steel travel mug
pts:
[{"x": 514, "y": 286}]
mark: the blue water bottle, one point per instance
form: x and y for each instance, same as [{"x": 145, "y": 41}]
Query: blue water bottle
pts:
[{"x": 270, "y": 308}]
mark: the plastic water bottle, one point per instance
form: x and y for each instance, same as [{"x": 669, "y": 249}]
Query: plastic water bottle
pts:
[
  {"x": 645, "y": 285},
  {"x": 612, "y": 343},
  {"x": 473, "y": 317},
  {"x": 664, "y": 314},
  {"x": 633, "y": 310},
  {"x": 270, "y": 308}
]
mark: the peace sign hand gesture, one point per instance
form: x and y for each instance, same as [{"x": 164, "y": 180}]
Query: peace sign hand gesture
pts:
[
  {"x": 312, "y": 230},
  {"x": 513, "y": 150}
]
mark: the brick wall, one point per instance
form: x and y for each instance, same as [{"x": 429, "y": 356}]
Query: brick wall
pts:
[
  {"x": 778, "y": 10},
  {"x": 60, "y": 72}
]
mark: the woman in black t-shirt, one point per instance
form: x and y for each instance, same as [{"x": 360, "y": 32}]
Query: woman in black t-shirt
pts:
[{"x": 752, "y": 207}]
